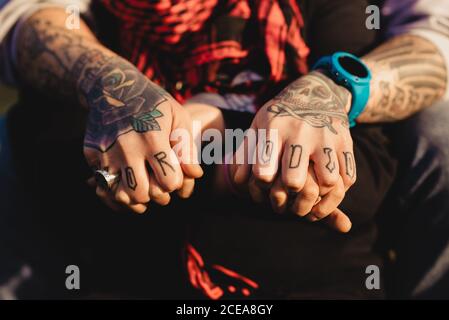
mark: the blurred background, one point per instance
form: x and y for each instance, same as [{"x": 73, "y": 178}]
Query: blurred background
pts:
[{"x": 7, "y": 98}]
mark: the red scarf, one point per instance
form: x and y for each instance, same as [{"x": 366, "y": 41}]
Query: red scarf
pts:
[{"x": 190, "y": 46}]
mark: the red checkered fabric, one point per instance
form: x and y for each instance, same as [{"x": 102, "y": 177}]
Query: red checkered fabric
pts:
[{"x": 190, "y": 46}]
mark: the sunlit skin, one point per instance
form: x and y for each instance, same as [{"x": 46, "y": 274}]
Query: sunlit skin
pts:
[{"x": 139, "y": 117}]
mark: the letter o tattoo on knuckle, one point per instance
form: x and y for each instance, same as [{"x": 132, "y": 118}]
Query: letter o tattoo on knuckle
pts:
[
  {"x": 130, "y": 178},
  {"x": 349, "y": 167}
]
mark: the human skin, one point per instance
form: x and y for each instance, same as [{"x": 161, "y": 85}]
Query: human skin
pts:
[
  {"x": 211, "y": 117},
  {"x": 130, "y": 118},
  {"x": 310, "y": 116}
]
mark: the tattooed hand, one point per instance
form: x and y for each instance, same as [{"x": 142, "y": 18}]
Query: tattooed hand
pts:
[
  {"x": 120, "y": 100},
  {"x": 313, "y": 147},
  {"x": 128, "y": 132},
  {"x": 130, "y": 118}
]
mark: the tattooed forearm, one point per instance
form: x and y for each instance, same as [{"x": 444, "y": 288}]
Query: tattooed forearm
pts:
[
  {"x": 73, "y": 66},
  {"x": 53, "y": 58},
  {"x": 315, "y": 99},
  {"x": 409, "y": 74}
]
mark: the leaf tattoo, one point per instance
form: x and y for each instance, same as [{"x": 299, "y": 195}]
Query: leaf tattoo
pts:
[
  {"x": 147, "y": 121},
  {"x": 121, "y": 100}
]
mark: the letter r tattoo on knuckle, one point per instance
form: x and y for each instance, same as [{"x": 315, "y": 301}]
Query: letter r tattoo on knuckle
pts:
[{"x": 160, "y": 158}]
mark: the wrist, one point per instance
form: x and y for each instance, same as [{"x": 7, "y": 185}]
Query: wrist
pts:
[
  {"x": 350, "y": 72},
  {"x": 341, "y": 90},
  {"x": 97, "y": 71},
  {"x": 115, "y": 83}
]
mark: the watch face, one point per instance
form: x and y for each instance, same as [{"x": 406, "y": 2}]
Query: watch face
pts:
[{"x": 353, "y": 66}]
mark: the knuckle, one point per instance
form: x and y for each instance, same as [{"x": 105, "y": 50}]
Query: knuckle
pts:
[
  {"x": 310, "y": 194},
  {"x": 277, "y": 196},
  {"x": 293, "y": 184},
  {"x": 178, "y": 184},
  {"x": 313, "y": 217},
  {"x": 170, "y": 185},
  {"x": 139, "y": 197},
  {"x": 163, "y": 200},
  {"x": 339, "y": 193},
  {"x": 139, "y": 209},
  {"x": 155, "y": 192},
  {"x": 299, "y": 209},
  {"x": 320, "y": 212},
  {"x": 353, "y": 179},
  {"x": 329, "y": 181},
  {"x": 121, "y": 197},
  {"x": 349, "y": 181},
  {"x": 301, "y": 213},
  {"x": 263, "y": 180}
]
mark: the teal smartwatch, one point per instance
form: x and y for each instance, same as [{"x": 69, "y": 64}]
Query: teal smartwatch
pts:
[{"x": 350, "y": 72}]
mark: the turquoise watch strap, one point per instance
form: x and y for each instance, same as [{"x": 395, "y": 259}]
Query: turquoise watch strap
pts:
[{"x": 350, "y": 72}]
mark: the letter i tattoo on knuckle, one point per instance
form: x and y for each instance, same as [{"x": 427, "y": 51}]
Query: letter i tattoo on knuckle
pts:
[
  {"x": 267, "y": 151},
  {"x": 330, "y": 166}
]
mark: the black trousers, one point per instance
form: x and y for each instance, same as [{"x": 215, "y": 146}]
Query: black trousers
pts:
[{"x": 126, "y": 255}]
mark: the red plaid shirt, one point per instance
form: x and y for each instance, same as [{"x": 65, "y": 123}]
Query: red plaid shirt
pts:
[{"x": 192, "y": 46}]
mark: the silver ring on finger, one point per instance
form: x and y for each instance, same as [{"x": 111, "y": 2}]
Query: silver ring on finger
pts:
[{"x": 106, "y": 180}]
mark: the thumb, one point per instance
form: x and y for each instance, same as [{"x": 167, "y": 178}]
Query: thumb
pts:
[
  {"x": 339, "y": 221},
  {"x": 182, "y": 140},
  {"x": 241, "y": 170}
]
